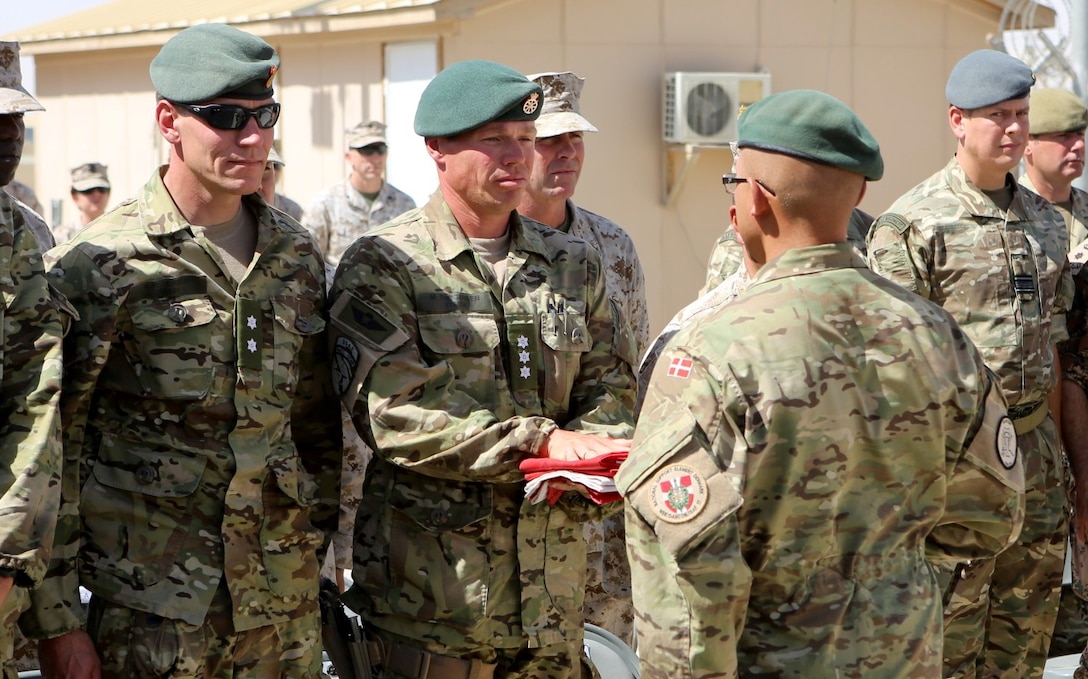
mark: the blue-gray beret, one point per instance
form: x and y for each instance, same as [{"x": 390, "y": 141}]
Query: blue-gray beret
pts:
[
  {"x": 469, "y": 94},
  {"x": 207, "y": 61},
  {"x": 814, "y": 126},
  {"x": 987, "y": 77}
]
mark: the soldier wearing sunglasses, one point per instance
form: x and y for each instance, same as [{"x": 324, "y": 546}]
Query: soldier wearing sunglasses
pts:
[{"x": 203, "y": 446}]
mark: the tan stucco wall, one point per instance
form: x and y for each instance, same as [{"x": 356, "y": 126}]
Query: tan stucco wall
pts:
[{"x": 889, "y": 59}]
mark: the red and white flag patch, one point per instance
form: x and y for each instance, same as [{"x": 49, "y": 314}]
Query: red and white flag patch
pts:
[{"x": 680, "y": 367}]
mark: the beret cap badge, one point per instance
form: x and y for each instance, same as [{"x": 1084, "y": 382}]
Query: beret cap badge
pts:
[
  {"x": 271, "y": 76},
  {"x": 531, "y": 103}
]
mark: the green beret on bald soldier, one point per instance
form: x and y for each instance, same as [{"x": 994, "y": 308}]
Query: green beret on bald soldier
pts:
[
  {"x": 209, "y": 61},
  {"x": 470, "y": 94}
]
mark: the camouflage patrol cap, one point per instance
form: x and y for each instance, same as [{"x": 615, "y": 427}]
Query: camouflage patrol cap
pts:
[
  {"x": 814, "y": 126},
  {"x": 1055, "y": 110},
  {"x": 469, "y": 94},
  {"x": 13, "y": 96},
  {"x": 365, "y": 134},
  {"x": 987, "y": 77},
  {"x": 90, "y": 176},
  {"x": 208, "y": 61},
  {"x": 560, "y": 111}
]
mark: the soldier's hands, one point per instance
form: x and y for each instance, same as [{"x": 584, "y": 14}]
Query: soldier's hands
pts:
[
  {"x": 69, "y": 656},
  {"x": 571, "y": 445}
]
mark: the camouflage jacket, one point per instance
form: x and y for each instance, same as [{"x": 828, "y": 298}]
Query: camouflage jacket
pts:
[
  {"x": 43, "y": 235},
  {"x": 1078, "y": 230},
  {"x": 453, "y": 379},
  {"x": 622, "y": 270},
  {"x": 1004, "y": 276},
  {"x": 29, "y": 416},
  {"x": 804, "y": 454},
  {"x": 202, "y": 440},
  {"x": 340, "y": 214}
]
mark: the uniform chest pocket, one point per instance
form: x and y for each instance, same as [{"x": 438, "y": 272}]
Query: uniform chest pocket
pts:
[
  {"x": 565, "y": 334},
  {"x": 171, "y": 350},
  {"x": 466, "y": 341},
  {"x": 296, "y": 320}
]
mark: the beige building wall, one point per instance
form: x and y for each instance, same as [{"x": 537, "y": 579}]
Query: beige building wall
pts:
[{"x": 888, "y": 59}]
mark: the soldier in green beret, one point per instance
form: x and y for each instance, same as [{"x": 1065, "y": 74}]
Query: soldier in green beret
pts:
[
  {"x": 467, "y": 339},
  {"x": 202, "y": 441},
  {"x": 805, "y": 451},
  {"x": 993, "y": 253}
]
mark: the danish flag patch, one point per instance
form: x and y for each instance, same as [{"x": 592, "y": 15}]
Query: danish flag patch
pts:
[{"x": 680, "y": 367}]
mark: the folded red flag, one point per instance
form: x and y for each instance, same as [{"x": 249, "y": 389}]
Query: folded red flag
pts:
[{"x": 595, "y": 474}]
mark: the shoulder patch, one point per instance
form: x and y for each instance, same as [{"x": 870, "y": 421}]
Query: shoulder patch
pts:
[
  {"x": 365, "y": 321},
  {"x": 678, "y": 493},
  {"x": 896, "y": 222},
  {"x": 1006, "y": 443}
]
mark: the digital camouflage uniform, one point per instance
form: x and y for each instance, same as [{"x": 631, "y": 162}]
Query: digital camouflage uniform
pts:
[
  {"x": 29, "y": 421},
  {"x": 201, "y": 438},
  {"x": 801, "y": 453},
  {"x": 340, "y": 214},
  {"x": 1005, "y": 278},
  {"x": 608, "y": 580},
  {"x": 453, "y": 379}
]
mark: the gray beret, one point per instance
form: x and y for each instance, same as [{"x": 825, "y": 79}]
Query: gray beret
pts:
[
  {"x": 987, "y": 77},
  {"x": 207, "y": 61},
  {"x": 1055, "y": 110},
  {"x": 469, "y": 94},
  {"x": 813, "y": 126}
]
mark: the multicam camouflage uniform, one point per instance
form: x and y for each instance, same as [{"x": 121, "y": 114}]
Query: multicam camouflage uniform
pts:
[
  {"x": 800, "y": 455},
  {"x": 453, "y": 379},
  {"x": 340, "y": 214},
  {"x": 608, "y": 581},
  {"x": 36, "y": 225},
  {"x": 29, "y": 421},
  {"x": 1005, "y": 277},
  {"x": 201, "y": 437},
  {"x": 24, "y": 194}
]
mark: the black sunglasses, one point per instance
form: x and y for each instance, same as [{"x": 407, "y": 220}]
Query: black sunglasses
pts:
[{"x": 230, "y": 117}]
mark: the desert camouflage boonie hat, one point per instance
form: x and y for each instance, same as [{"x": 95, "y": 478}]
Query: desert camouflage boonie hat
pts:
[
  {"x": 561, "y": 111},
  {"x": 13, "y": 96}
]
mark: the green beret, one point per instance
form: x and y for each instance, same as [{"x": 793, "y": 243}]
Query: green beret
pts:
[
  {"x": 209, "y": 61},
  {"x": 469, "y": 94},
  {"x": 987, "y": 77},
  {"x": 1054, "y": 111},
  {"x": 814, "y": 126}
]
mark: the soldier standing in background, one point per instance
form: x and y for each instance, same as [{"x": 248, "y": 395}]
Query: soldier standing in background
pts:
[
  {"x": 557, "y": 166},
  {"x": 994, "y": 255},
  {"x": 90, "y": 195},
  {"x": 272, "y": 168},
  {"x": 201, "y": 437},
  {"x": 785, "y": 436}
]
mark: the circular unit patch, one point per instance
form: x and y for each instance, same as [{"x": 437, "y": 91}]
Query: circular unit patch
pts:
[
  {"x": 1006, "y": 443},
  {"x": 678, "y": 493}
]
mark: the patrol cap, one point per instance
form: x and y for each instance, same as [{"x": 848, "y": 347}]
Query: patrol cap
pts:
[
  {"x": 207, "y": 61},
  {"x": 1055, "y": 110},
  {"x": 90, "y": 176},
  {"x": 13, "y": 96},
  {"x": 275, "y": 158},
  {"x": 468, "y": 94},
  {"x": 560, "y": 112},
  {"x": 987, "y": 77},
  {"x": 365, "y": 134},
  {"x": 814, "y": 126}
]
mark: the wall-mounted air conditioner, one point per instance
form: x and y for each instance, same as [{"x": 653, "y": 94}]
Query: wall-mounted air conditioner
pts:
[{"x": 702, "y": 108}]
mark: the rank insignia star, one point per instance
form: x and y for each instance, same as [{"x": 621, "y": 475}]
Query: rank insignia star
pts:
[
  {"x": 251, "y": 323},
  {"x": 525, "y": 372},
  {"x": 252, "y": 346},
  {"x": 523, "y": 342}
]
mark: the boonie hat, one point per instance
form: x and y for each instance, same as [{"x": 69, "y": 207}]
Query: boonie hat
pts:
[
  {"x": 814, "y": 126},
  {"x": 1055, "y": 110},
  {"x": 560, "y": 112},
  {"x": 90, "y": 176},
  {"x": 365, "y": 134},
  {"x": 208, "y": 61},
  {"x": 987, "y": 77},
  {"x": 13, "y": 96},
  {"x": 472, "y": 93}
]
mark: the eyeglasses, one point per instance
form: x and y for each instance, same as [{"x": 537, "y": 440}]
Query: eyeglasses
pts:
[
  {"x": 229, "y": 117},
  {"x": 731, "y": 181},
  {"x": 372, "y": 149}
]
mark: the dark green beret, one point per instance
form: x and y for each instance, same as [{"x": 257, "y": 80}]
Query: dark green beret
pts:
[
  {"x": 208, "y": 61},
  {"x": 1055, "y": 110},
  {"x": 987, "y": 77},
  {"x": 469, "y": 94},
  {"x": 814, "y": 126}
]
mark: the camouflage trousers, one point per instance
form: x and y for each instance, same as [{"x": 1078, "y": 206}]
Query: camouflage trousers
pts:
[
  {"x": 17, "y": 601},
  {"x": 1000, "y": 612},
  {"x": 133, "y": 643},
  {"x": 608, "y": 578}
]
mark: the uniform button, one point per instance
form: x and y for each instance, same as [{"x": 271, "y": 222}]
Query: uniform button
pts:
[
  {"x": 303, "y": 324},
  {"x": 463, "y": 339},
  {"x": 145, "y": 475},
  {"x": 576, "y": 334},
  {"x": 440, "y": 517},
  {"x": 176, "y": 313}
]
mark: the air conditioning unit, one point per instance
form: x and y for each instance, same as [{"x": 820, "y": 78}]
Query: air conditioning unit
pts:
[{"x": 702, "y": 108}]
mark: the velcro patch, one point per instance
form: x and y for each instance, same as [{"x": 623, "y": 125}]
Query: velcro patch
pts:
[
  {"x": 678, "y": 493},
  {"x": 1006, "y": 443}
]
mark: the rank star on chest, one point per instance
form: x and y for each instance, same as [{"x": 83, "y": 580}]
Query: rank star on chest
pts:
[{"x": 251, "y": 322}]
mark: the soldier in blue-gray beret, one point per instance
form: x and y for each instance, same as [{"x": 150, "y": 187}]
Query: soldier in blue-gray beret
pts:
[
  {"x": 941, "y": 240},
  {"x": 466, "y": 340},
  {"x": 199, "y": 422}
]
